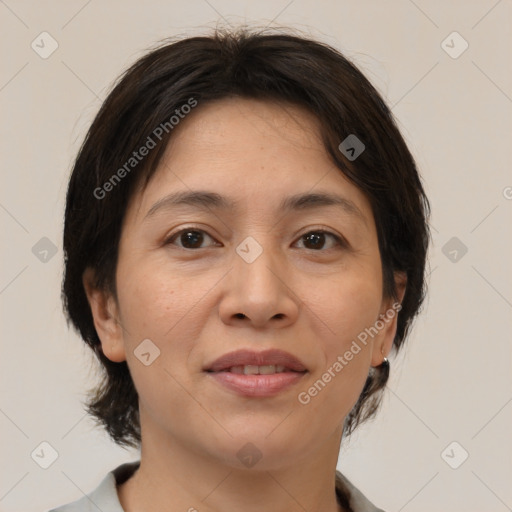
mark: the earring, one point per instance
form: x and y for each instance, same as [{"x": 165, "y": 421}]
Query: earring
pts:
[
  {"x": 385, "y": 362},
  {"x": 384, "y": 365}
]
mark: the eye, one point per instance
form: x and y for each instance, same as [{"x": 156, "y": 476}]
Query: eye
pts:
[
  {"x": 189, "y": 238},
  {"x": 316, "y": 240}
]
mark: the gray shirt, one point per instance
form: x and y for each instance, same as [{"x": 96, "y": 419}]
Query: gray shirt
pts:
[{"x": 105, "y": 497}]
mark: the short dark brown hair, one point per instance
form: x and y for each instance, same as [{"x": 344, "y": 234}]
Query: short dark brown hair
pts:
[{"x": 261, "y": 65}]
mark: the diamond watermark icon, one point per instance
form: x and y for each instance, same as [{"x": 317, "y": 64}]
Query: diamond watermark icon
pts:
[
  {"x": 351, "y": 147},
  {"x": 249, "y": 249},
  {"x": 146, "y": 352},
  {"x": 44, "y": 250},
  {"x": 44, "y": 455},
  {"x": 454, "y": 45},
  {"x": 454, "y": 249},
  {"x": 44, "y": 45},
  {"x": 249, "y": 455},
  {"x": 454, "y": 455}
]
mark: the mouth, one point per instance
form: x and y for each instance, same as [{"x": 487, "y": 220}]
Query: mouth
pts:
[
  {"x": 257, "y": 374},
  {"x": 250, "y": 369}
]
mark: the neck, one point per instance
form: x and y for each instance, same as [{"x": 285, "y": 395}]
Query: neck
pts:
[{"x": 173, "y": 477}]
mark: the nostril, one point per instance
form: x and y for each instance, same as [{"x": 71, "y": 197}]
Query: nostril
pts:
[{"x": 240, "y": 315}]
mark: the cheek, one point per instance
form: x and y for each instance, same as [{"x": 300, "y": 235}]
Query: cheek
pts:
[
  {"x": 169, "y": 308},
  {"x": 154, "y": 302},
  {"x": 347, "y": 303},
  {"x": 346, "y": 306},
  {"x": 158, "y": 306}
]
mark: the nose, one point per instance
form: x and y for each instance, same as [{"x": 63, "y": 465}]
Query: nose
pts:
[{"x": 259, "y": 294}]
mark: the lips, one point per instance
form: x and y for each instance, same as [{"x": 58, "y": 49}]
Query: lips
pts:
[
  {"x": 256, "y": 374},
  {"x": 250, "y": 362}
]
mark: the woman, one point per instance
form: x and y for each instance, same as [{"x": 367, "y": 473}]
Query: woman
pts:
[{"x": 245, "y": 239}]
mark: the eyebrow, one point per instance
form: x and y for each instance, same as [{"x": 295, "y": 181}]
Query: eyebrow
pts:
[{"x": 206, "y": 200}]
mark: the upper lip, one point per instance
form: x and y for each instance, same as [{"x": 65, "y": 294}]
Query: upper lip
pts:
[{"x": 250, "y": 357}]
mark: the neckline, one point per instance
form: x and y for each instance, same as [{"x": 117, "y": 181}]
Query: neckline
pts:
[{"x": 123, "y": 472}]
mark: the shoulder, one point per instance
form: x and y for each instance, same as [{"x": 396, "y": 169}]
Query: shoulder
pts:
[
  {"x": 351, "y": 495},
  {"x": 104, "y": 497}
]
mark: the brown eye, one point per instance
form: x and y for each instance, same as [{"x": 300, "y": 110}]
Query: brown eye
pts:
[
  {"x": 189, "y": 238},
  {"x": 316, "y": 240}
]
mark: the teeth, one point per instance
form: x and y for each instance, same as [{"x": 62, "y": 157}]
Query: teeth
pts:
[
  {"x": 267, "y": 370},
  {"x": 257, "y": 370},
  {"x": 251, "y": 370}
]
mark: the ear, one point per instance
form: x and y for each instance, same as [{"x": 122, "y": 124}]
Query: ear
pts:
[
  {"x": 388, "y": 316},
  {"x": 106, "y": 318}
]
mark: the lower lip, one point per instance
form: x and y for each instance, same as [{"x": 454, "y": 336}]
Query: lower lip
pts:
[{"x": 257, "y": 385}]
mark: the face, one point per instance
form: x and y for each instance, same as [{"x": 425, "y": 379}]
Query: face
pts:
[{"x": 202, "y": 278}]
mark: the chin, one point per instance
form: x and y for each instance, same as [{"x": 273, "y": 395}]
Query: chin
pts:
[{"x": 254, "y": 449}]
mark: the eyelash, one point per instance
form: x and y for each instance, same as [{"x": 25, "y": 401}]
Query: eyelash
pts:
[{"x": 340, "y": 242}]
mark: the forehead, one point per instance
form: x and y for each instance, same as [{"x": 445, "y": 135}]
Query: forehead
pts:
[
  {"x": 237, "y": 126},
  {"x": 249, "y": 150}
]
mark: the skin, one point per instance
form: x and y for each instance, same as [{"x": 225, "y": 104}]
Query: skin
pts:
[{"x": 310, "y": 300}]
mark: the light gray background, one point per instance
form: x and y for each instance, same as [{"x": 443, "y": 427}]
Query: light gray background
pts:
[{"x": 454, "y": 381}]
